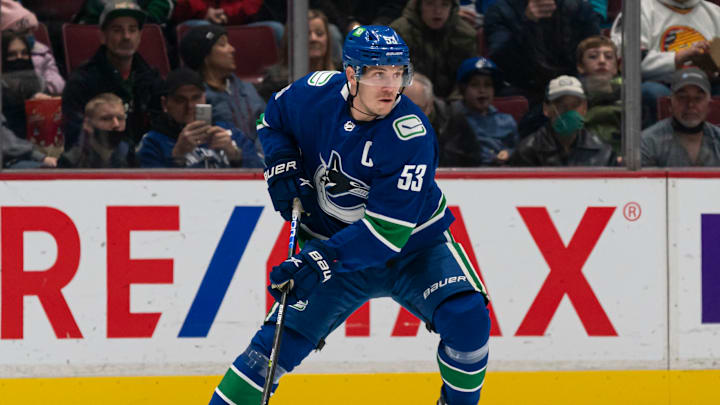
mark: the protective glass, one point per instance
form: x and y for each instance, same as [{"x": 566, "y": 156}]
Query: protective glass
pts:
[{"x": 386, "y": 76}]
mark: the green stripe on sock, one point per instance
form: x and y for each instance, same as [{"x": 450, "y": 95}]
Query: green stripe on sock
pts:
[
  {"x": 461, "y": 380},
  {"x": 236, "y": 389}
]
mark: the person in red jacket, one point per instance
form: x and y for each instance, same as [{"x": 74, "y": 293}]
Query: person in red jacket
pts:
[{"x": 222, "y": 12}]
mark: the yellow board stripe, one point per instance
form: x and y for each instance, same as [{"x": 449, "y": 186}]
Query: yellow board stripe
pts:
[{"x": 643, "y": 387}]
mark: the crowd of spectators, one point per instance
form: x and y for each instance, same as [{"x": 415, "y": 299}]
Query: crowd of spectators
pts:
[{"x": 469, "y": 57}]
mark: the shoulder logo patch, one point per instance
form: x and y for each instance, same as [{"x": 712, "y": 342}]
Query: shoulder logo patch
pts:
[
  {"x": 321, "y": 78},
  {"x": 408, "y": 127}
]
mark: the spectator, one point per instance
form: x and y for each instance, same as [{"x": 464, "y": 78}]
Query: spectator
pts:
[
  {"x": 206, "y": 50},
  {"x": 319, "y": 52},
  {"x": 224, "y": 12},
  {"x": 18, "y": 19},
  {"x": 478, "y": 135},
  {"x": 685, "y": 139},
  {"x": 115, "y": 68},
  {"x": 178, "y": 140},
  {"x": 20, "y": 81},
  {"x": 421, "y": 93},
  {"x": 103, "y": 142},
  {"x": 18, "y": 153},
  {"x": 439, "y": 40},
  {"x": 563, "y": 141},
  {"x": 597, "y": 64},
  {"x": 157, "y": 11},
  {"x": 533, "y": 41},
  {"x": 674, "y": 34}
]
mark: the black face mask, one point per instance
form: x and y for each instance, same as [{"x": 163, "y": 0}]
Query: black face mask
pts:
[
  {"x": 17, "y": 65},
  {"x": 108, "y": 139}
]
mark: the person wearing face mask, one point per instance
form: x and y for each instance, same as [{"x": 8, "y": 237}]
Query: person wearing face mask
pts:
[
  {"x": 478, "y": 134},
  {"x": 103, "y": 142},
  {"x": 319, "y": 52},
  {"x": 673, "y": 35},
  {"x": 20, "y": 80},
  {"x": 564, "y": 140},
  {"x": 206, "y": 50},
  {"x": 18, "y": 19},
  {"x": 439, "y": 40},
  {"x": 686, "y": 138}
]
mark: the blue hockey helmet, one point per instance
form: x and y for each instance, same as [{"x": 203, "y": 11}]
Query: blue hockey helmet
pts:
[
  {"x": 481, "y": 66},
  {"x": 376, "y": 45}
]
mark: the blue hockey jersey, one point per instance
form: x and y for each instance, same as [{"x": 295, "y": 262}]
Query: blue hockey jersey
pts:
[{"x": 374, "y": 181}]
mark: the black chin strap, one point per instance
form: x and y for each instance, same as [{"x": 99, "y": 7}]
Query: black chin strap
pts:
[{"x": 679, "y": 127}]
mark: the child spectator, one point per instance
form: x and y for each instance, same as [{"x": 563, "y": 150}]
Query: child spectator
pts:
[
  {"x": 115, "y": 68},
  {"x": 439, "y": 40},
  {"x": 103, "y": 142},
  {"x": 564, "y": 141},
  {"x": 20, "y": 81},
  {"x": 533, "y": 41},
  {"x": 597, "y": 64},
  {"x": 18, "y": 19},
  {"x": 685, "y": 139},
  {"x": 319, "y": 52},
  {"x": 478, "y": 135},
  {"x": 177, "y": 139},
  {"x": 205, "y": 49}
]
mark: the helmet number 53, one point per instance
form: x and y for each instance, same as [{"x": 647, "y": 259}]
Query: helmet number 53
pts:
[{"x": 411, "y": 177}]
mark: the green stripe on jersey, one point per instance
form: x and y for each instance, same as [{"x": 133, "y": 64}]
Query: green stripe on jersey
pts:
[
  {"x": 260, "y": 122},
  {"x": 461, "y": 380},
  {"x": 239, "y": 389},
  {"x": 391, "y": 232}
]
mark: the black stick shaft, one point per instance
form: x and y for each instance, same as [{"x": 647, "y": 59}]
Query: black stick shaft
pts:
[{"x": 280, "y": 322}]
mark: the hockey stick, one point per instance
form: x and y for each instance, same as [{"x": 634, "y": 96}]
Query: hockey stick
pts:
[{"x": 280, "y": 322}]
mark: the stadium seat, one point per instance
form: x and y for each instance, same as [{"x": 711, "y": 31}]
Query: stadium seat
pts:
[
  {"x": 665, "y": 109},
  {"x": 58, "y": 10},
  {"x": 517, "y": 106},
  {"x": 255, "y": 49},
  {"x": 42, "y": 36},
  {"x": 81, "y": 41}
]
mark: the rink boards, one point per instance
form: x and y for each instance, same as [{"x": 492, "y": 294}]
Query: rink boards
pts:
[{"x": 115, "y": 277}]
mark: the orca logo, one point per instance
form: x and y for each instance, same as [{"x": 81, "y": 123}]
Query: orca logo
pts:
[{"x": 339, "y": 194}]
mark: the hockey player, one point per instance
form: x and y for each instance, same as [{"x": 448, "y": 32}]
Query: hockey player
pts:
[{"x": 362, "y": 157}]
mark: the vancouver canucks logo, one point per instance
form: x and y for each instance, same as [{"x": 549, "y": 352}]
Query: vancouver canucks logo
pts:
[{"x": 339, "y": 194}]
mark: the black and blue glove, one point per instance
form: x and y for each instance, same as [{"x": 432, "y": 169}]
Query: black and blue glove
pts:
[
  {"x": 303, "y": 272},
  {"x": 285, "y": 182}
]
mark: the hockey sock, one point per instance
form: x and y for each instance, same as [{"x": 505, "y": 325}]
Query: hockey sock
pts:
[
  {"x": 244, "y": 380},
  {"x": 464, "y": 326}
]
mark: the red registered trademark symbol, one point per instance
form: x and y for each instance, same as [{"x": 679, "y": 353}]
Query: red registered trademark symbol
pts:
[{"x": 632, "y": 211}]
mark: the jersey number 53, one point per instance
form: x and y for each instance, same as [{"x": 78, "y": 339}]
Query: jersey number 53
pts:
[{"x": 411, "y": 177}]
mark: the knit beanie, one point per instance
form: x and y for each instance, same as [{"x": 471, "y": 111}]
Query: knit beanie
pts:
[
  {"x": 197, "y": 43},
  {"x": 15, "y": 17}
]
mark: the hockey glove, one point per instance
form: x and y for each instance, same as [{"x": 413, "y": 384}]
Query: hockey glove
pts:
[
  {"x": 303, "y": 272},
  {"x": 283, "y": 176}
]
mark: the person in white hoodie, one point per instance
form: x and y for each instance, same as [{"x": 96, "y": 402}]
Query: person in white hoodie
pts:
[{"x": 673, "y": 32}]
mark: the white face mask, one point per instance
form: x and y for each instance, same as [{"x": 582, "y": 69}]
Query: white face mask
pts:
[{"x": 677, "y": 4}]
